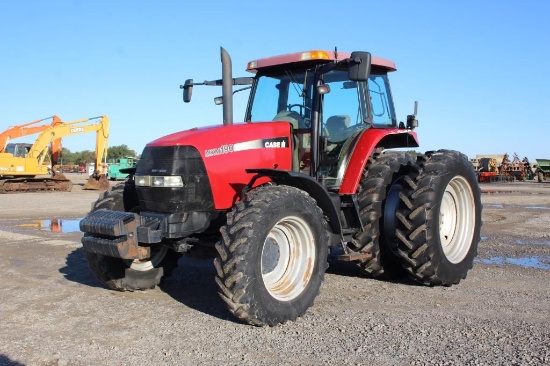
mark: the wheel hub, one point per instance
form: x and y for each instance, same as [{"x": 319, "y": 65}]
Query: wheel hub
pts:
[
  {"x": 288, "y": 257},
  {"x": 270, "y": 256}
]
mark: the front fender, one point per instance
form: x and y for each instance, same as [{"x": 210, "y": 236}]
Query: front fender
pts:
[{"x": 306, "y": 183}]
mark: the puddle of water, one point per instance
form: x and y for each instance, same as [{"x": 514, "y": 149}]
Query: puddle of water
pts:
[
  {"x": 525, "y": 262},
  {"x": 17, "y": 262},
  {"x": 494, "y": 205},
  {"x": 55, "y": 225},
  {"x": 533, "y": 242}
]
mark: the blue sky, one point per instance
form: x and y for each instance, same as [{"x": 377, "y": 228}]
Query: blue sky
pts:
[{"x": 479, "y": 69}]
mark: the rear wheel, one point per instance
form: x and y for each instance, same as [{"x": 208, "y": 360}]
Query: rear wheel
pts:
[
  {"x": 273, "y": 255},
  {"x": 440, "y": 219},
  {"x": 127, "y": 275},
  {"x": 378, "y": 199}
]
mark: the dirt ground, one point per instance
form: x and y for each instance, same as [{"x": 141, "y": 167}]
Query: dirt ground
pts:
[{"x": 53, "y": 312}]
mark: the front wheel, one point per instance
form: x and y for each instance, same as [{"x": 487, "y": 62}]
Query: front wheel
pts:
[
  {"x": 273, "y": 255},
  {"x": 439, "y": 219},
  {"x": 129, "y": 275}
]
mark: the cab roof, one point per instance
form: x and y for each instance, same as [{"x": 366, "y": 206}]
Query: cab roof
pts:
[{"x": 314, "y": 56}]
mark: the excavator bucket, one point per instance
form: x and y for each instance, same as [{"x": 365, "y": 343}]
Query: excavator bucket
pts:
[{"x": 100, "y": 183}]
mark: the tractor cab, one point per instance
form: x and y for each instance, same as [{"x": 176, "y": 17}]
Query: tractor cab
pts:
[{"x": 327, "y": 106}]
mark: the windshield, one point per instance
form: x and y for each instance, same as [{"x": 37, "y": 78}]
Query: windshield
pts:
[
  {"x": 285, "y": 97},
  {"x": 282, "y": 94}
]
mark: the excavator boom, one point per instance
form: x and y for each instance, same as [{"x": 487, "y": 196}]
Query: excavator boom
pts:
[{"x": 30, "y": 128}]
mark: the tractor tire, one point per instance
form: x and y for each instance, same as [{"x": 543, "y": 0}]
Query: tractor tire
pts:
[
  {"x": 439, "y": 219},
  {"x": 378, "y": 199},
  {"x": 273, "y": 255},
  {"x": 122, "y": 274}
]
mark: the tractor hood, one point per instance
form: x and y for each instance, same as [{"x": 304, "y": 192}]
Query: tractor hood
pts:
[
  {"x": 226, "y": 152},
  {"x": 233, "y": 139}
]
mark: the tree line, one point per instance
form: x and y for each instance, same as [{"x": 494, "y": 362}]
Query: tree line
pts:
[{"x": 82, "y": 157}]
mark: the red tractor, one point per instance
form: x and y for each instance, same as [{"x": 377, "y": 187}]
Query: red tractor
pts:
[{"x": 307, "y": 172}]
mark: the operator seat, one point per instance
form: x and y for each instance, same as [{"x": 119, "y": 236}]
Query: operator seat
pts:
[
  {"x": 335, "y": 125},
  {"x": 290, "y": 116}
]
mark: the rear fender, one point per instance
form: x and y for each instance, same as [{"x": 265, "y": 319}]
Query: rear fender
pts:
[
  {"x": 305, "y": 183},
  {"x": 369, "y": 141}
]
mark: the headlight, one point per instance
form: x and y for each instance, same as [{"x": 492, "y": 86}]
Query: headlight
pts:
[{"x": 158, "y": 181}]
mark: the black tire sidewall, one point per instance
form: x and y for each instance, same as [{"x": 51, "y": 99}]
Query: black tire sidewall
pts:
[
  {"x": 444, "y": 265},
  {"x": 432, "y": 266},
  {"x": 263, "y": 305}
]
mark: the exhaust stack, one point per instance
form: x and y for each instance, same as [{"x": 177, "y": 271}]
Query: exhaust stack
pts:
[{"x": 227, "y": 87}]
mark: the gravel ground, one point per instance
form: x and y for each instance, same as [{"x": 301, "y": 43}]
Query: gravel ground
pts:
[{"x": 53, "y": 312}]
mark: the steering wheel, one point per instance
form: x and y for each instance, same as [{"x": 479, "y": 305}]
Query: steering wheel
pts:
[{"x": 301, "y": 107}]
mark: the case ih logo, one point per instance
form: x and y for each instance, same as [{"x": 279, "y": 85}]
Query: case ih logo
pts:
[
  {"x": 77, "y": 129},
  {"x": 280, "y": 142}
]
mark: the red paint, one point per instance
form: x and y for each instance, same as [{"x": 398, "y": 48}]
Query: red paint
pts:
[
  {"x": 330, "y": 56},
  {"x": 363, "y": 150},
  {"x": 226, "y": 170}
]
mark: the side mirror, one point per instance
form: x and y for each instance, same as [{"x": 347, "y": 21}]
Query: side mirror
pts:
[
  {"x": 187, "y": 90},
  {"x": 359, "y": 66},
  {"x": 412, "y": 122}
]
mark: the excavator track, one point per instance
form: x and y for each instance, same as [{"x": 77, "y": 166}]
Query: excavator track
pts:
[{"x": 58, "y": 183}]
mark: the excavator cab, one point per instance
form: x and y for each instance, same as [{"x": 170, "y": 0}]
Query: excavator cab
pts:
[{"x": 18, "y": 149}]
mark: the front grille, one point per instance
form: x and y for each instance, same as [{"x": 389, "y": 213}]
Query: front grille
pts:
[{"x": 185, "y": 161}]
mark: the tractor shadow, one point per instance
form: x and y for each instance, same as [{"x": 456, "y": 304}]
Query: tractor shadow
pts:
[
  {"x": 76, "y": 269},
  {"x": 192, "y": 282},
  {"x": 6, "y": 361},
  {"x": 351, "y": 269},
  {"x": 193, "y": 285}
]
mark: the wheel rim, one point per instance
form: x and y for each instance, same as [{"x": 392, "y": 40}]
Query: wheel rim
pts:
[
  {"x": 149, "y": 264},
  {"x": 457, "y": 219},
  {"x": 288, "y": 257}
]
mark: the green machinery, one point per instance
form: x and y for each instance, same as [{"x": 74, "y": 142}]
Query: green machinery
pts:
[
  {"x": 122, "y": 163},
  {"x": 544, "y": 165}
]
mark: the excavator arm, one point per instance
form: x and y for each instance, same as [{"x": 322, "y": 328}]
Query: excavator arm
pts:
[
  {"x": 29, "y": 128},
  {"x": 39, "y": 149}
]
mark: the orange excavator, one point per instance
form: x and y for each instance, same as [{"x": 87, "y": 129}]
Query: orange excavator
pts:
[
  {"x": 31, "y": 128},
  {"x": 20, "y": 165}
]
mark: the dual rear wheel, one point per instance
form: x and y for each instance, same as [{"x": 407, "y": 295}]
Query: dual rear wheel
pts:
[
  {"x": 421, "y": 217},
  {"x": 439, "y": 219}
]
